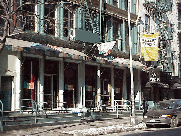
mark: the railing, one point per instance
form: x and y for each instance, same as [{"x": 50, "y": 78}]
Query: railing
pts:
[
  {"x": 41, "y": 109},
  {"x": 32, "y": 105},
  {"x": 123, "y": 104},
  {"x": 1, "y": 110},
  {"x": 126, "y": 105},
  {"x": 90, "y": 103},
  {"x": 98, "y": 106},
  {"x": 138, "y": 105}
]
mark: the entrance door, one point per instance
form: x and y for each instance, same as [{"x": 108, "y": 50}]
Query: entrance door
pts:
[
  {"x": 6, "y": 92},
  {"x": 105, "y": 93},
  {"x": 50, "y": 91},
  {"x": 47, "y": 91}
]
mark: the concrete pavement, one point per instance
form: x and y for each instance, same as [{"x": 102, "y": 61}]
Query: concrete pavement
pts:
[{"x": 74, "y": 125}]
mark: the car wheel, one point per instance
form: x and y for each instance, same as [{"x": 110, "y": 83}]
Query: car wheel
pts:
[{"x": 174, "y": 122}]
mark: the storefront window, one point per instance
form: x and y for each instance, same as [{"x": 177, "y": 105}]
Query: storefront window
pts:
[
  {"x": 70, "y": 84},
  {"x": 90, "y": 88},
  {"x": 30, "y": 72}
]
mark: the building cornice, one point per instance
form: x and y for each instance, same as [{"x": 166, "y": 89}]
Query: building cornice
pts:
[{"x": 109, "y": 9}]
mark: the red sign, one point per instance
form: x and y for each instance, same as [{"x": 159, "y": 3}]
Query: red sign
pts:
[{"x": 30, "y": 85}]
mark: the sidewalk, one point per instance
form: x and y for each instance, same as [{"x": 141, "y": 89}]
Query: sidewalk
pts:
[{"x": 83, "y": 128}]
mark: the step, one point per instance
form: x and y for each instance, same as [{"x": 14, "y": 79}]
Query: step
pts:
[
  {"x": 8, "y": 122},
  {"x": 6, "y": 113},
  {"x": 53, "y": 118}
]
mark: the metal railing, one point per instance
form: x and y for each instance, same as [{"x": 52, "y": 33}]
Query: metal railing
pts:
[
  {"x": 40, "y": 107},
  {"x": 126, "y": 105},
  {"x": 138, "y": 106},
  {"x": 99, "y": 106},
  {"x": 32, "y": 105},
  {"x": 1, "y": 110}
]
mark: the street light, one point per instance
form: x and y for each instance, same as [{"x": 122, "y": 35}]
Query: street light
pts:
[{"x": 132, "y": 115}]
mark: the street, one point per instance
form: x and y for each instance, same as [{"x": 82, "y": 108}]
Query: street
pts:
[
  {"x": 105, "y": 127},
  {"x": 58, "y": 131},
  {"x": 155, "y": 131}
]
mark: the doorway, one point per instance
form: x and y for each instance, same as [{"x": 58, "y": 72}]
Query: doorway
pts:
[
  {"x": 90, "y": 86},
  {"x": 50, "y": 91},
  {"x": 70, "y": 84},
  {"x": 6, "y": 92},
  {"x": 105, "y": 94}
]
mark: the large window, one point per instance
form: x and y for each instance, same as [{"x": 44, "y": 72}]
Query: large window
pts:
[
  {"x": 68, "y": 22},
  {"x": 30, "y": 75},
  {"x": 179, "y": 17},
  {"x": 126, "y": 5},
  {"x": 1, "y": 19},
  {"x": 147, "y": 23},
  {"x": 127, "y": 37},
  {"x": 49, "y": 24},
  {"x": 115, "y": 29},
  {"x": 27, "y": 17},
  {"x": 115, "y": 3}
]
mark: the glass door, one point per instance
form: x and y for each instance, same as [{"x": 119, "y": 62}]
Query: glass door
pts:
[
  {"x": 6, "y": 92},
  {"x": 48, "y": 91}
]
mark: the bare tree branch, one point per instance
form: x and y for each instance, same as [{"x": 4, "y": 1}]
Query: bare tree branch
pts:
[{"x": 3, "y": 17}]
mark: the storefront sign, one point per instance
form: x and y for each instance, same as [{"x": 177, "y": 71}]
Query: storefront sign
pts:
[
  {"x": 70, "y": 87},
  {"x": 30, "y": 85},
  {"x": 88, "y": 88},
  {"x": 66, "y": 86},
  {"x": 154, "y": 75},
  {"x": 24, "y": 84},
  {"x": 176, "y": 86},
  {"x": 117, "y": 90},
  {"x": 93, "y": 93}
]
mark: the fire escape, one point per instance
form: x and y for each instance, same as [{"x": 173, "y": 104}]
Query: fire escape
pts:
[
  {"x": 88, "y": 18},
  {"x": 86, "y": 29},
  {"x": 158, "y": 10}
]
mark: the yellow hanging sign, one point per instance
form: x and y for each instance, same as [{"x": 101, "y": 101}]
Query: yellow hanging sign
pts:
[{"x": 149, "y": 46}]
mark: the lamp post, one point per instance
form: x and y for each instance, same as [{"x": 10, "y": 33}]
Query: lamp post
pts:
[{"x": 132, "y": 115}]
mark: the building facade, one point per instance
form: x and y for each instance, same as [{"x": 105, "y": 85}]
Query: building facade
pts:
[
  {"x": 71, "y": 54},
  {"x": 162, "y": 17}
]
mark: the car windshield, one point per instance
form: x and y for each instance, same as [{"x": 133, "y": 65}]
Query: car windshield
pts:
[{"x": 164, "y": 105}]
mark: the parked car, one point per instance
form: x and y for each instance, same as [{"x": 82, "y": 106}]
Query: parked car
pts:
[{"x": 167, "y": 112}]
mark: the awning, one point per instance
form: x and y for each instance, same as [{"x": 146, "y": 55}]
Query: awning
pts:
[
  {"x": 148, "y": 84},
  {"x": 162, "y": 85},
  {"x": 176, "y": 86},
  {"x": 60, "y": 52},
  {"x": 126, "y": 63},
  {"x": 48, "y": 50}
]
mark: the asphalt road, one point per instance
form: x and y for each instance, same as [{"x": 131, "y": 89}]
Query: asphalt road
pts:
[{"x": 163, "y": 131}]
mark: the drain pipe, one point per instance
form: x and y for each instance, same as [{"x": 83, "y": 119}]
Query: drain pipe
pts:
[
  {"x": 1, "y": 122},
  {"x": 117, "y": 109}
]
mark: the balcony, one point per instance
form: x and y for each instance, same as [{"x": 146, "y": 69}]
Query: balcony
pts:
[{"x": 112, "y": 10}]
